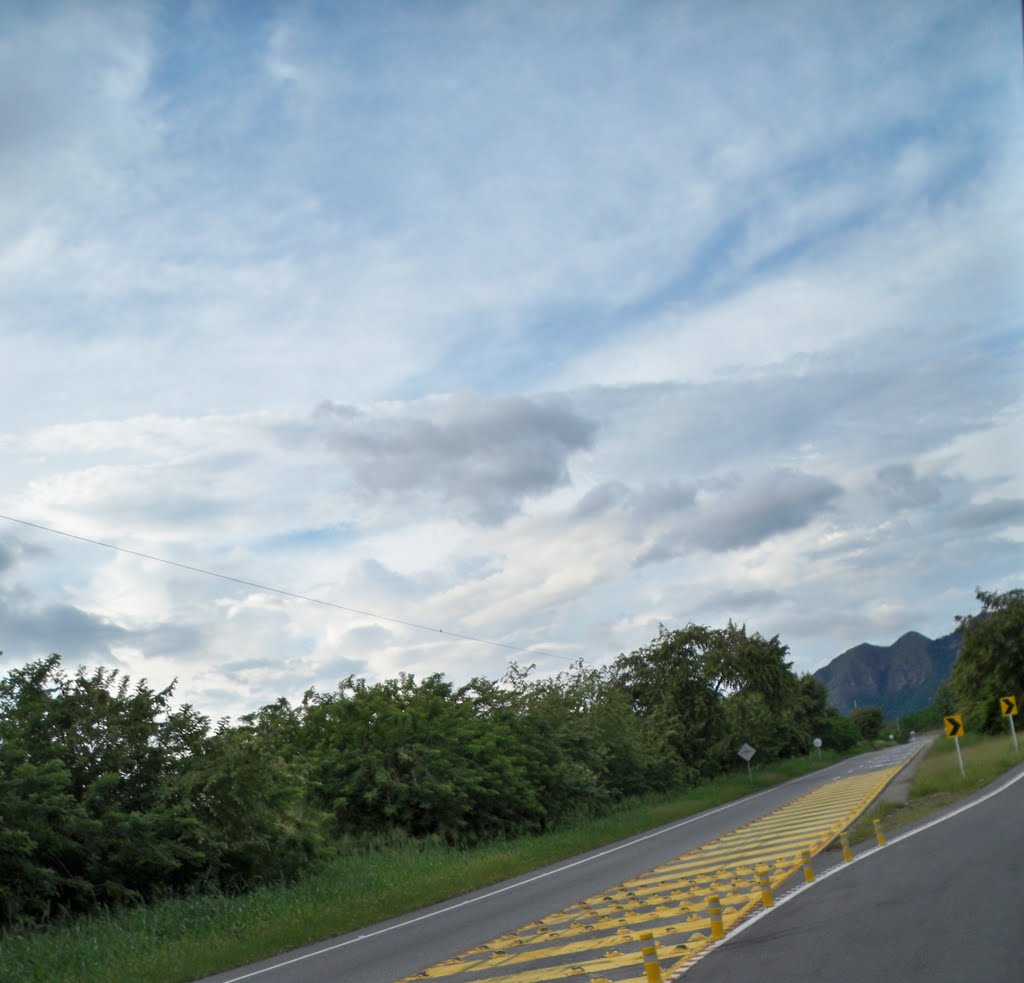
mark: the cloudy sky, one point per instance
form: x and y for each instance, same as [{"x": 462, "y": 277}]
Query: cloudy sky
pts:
[{"x": 540, "y": 323}]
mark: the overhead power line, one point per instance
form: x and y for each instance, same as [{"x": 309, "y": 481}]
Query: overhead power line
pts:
[{"x": 285, "y": 593}]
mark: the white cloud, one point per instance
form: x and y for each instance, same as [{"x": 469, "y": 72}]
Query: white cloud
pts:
[{"x": 731, "y": 286}]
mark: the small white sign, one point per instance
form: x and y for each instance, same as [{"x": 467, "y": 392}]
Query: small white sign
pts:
[
  {"x": 817, "y": 742},
  {"x": 747, "y": 752}
]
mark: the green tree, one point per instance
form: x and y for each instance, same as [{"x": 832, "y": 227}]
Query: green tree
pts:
[
  {"x": 809, "y": 715},
  {"x": 671, "y": 681},
  {"x": 840, "y": 733},
  {"x": 747, "y": 718},
  {"x": 686, "y": 678},
  {"x": 253, "y": 823},
  {"x": 734, "y": 661},
  {"x": 868, "y": 720},
  {"x": 84, "y": 760},
  {"x": 930, "y": 717},
  {"x": 420, "y": 757},
  {"x": 991, "y": 659}
]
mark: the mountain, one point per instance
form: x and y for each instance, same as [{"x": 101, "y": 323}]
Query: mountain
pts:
[{"x": 898, "y": 678}]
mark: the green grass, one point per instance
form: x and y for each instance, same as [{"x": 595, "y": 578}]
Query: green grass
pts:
[
  {"x": 937, "y": 783},
  {"x": 183, "y": 939}
]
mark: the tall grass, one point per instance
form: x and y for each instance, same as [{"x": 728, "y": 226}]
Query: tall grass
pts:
[
  {"x": 984, "y": 759},
  {"x": 182, "y": 939},
  {"x": 937, "y": 783}
]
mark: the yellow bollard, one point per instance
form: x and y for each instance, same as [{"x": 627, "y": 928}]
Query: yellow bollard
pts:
[
  {"x": 766, "y": 887},
  {"x": 844, "y": 839},
  {"x": 808, "y": 869},
  {"x": 715, "y": 912},
  {"x": 651, "y": 965},
  {"x": 879, "y": 835}
]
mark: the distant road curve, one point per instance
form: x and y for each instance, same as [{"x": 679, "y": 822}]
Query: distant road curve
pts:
[{"x": 940, "y": 904}]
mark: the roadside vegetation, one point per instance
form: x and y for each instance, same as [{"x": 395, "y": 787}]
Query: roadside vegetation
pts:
[
  {"x": 937, "y": 783},
  {"x": 111, "y": 796},
  {"x": 990, "y": 666},
  {"x": 140, "y": 841},
  {"x": 185, "y": 938},
  {"x": 114, "y": 799}
]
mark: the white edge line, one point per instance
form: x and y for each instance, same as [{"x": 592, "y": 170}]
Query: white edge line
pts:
[
  {"x": 536, "y": 877},
  {"x": 799, "y": 889}
]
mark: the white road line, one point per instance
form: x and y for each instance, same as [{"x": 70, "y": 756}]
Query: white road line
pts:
[
  {"x": 818, "y": 878},
  {"x": 529, "y": 880}
]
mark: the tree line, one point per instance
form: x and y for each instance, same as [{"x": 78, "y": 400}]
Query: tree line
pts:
[{"x": 110, "y": 794}]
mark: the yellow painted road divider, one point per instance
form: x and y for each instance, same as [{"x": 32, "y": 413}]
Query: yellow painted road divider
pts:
[
  {"x": 715, "y": 913},
  {"x": 844, "y": 841},
  {"x": 669, "y": 908},
  {"x": 650, "y": 953},
  {"x": 765, "y": 884},
  {"x": 805, "y": 859}
]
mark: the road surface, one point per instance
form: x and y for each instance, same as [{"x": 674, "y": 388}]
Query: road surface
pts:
[
  {"x": 388, "y": 951},
  {"x": 944, "y": 905}
]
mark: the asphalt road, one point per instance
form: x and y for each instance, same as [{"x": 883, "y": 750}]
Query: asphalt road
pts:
[
  {"x": 387, "y": 951},
  {"x": 945, "y": 905}
]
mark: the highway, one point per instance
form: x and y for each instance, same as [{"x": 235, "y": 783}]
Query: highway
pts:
[
  {"x": 944, "y": 905},
  {"x": 391, "y": 950}
]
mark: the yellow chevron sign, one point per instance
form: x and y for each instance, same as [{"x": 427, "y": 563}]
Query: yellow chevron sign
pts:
[
  {"x": 1008, "y": 705},
  {"x": 954, "y": 725}
]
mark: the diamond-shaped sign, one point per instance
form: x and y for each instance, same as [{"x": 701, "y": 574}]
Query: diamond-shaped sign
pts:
[{"x": 747, "y": 752}]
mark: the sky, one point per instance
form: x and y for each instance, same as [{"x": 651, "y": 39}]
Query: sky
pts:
[{"x": 543, "y": 324}]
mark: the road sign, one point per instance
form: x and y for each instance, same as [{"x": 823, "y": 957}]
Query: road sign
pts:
[
  {"x": 1008, "y": 706},
  {"x": 817, "y": 742},
  {"x": 955, "y": 729},
  {"x": 746, "y": 753},
  {"x": 954, "y": 725}
]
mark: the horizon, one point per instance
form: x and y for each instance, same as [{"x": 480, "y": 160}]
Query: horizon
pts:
[{"x": 543, "y": 325}]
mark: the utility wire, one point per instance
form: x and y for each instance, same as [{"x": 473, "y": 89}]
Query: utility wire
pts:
[{"x": 285, "y": 593}]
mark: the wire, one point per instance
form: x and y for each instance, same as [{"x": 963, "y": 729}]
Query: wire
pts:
[{"x": 286, "y": 593}]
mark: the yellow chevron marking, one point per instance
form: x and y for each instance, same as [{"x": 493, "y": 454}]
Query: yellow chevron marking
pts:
[{"x": 600, "y": 933}]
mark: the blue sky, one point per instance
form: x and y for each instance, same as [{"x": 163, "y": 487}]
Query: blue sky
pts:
[{"x": 542, "y": 323}]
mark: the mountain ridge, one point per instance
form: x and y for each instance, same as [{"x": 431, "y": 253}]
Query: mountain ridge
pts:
[{"x": 898, "y": 678}]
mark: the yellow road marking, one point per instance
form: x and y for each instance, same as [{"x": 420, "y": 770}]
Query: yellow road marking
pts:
[{"x": 597, "y": 938}]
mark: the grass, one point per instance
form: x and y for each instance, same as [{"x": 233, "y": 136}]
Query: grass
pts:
[
  {"x": 183, "y": 939},
  {"x": 937, "y": 783}
]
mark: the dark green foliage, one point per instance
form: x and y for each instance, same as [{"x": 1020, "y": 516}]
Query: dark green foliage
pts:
[
  {"x": 930, "y": 717},
  {"x": 840, "y": 733},
  {"x": 991, "y": 662},
  {"x": 110, "y": 795},
  {"x": 707, "y": 687},
  {"x": 253, "y": 821},
  {"x": 868, "y": 720},
  {"x": 423, "y": 758}
]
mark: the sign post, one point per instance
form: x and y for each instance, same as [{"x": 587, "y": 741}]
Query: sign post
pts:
[
  {"x": 1008, "y": 705},
  {"x": 746, "y": 753},
  {"x": 817, "y": 744},
  {"x": 954, "y": 728}
]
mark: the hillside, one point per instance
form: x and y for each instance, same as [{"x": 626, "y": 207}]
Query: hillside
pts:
[{"x": 898, "y": 678}]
